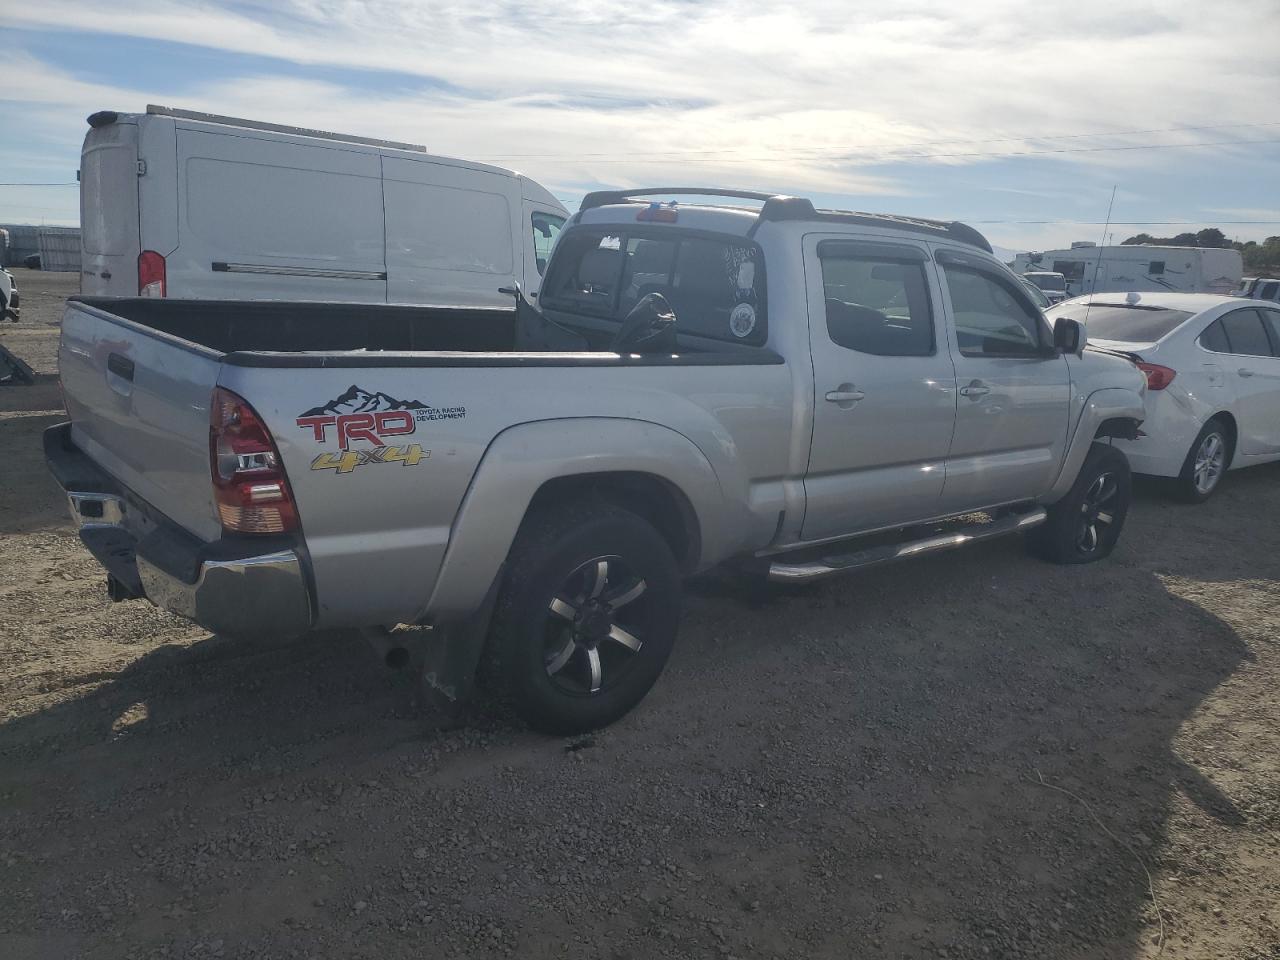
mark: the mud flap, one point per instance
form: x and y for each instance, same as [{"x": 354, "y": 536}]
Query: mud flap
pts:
[{"x": 450, "y": 662}]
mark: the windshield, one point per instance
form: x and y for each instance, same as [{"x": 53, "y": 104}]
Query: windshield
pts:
[
  {"x": 714, "y": 284},
  {"x": 1047, "y": 281},
  {"x": 1123, "y": 322}
]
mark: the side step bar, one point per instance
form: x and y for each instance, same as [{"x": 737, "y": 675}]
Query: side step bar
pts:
[{"x": 781, "y": 572}]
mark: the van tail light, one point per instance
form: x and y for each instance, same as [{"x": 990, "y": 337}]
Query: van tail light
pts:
[
  {"x": 151, "y": 282},
  {"x": 1158, "y": 377},
  {"x": 249, "y": 484}
]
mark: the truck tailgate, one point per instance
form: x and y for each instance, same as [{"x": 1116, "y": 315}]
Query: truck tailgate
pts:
[{"x": 139, "y": 406}]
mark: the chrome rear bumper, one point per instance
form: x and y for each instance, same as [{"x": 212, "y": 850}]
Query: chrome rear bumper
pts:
[{"x": 226, "y": 588}]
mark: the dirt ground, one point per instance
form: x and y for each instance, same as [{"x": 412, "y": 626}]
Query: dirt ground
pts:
[{"x": 875, "y": 767}]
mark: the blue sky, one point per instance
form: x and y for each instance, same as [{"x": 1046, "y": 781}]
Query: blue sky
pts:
[{"x": 1000, "y": 113}]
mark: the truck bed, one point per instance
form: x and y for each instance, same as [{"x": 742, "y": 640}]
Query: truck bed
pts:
[{"x": 227, "y": 326}]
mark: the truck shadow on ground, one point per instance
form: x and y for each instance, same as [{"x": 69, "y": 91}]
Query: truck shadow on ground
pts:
[{"x": 854, "y": 767}]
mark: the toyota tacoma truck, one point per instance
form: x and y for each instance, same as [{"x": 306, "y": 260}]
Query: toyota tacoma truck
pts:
[{"x": 797, "y": 392}]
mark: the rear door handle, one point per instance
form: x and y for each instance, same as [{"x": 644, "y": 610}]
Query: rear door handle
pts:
[
  {"x": 1245, "y": 372},
  {"x": 975, "y": 390}
]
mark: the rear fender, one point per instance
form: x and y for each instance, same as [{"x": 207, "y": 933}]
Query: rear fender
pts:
[
  {"x": 523, "y": 458},
  {"x": 1110, "y": 404}
]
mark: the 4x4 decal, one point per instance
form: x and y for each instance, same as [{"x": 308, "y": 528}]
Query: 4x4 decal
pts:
[{"x": 363, "y": 415}]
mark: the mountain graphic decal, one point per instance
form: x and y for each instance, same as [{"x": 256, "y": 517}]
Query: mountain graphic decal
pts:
[{"x": 358, "y": 400}]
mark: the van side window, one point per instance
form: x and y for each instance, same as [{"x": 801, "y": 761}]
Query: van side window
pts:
[
  {"x": 990, "y": 320},
  {"x": 879, "y": 307},
  {"x": 546, "y": 227}
]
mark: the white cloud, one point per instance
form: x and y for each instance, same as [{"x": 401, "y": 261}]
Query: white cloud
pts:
[{"x": 741, "y": 92}]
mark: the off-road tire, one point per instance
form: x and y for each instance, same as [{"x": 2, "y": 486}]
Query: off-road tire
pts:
[
  {"x": 554, "y": 552},
  {"x": 1064, "y": 537}
]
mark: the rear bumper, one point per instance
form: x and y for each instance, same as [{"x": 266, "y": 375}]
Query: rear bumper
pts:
[{"x": 247, "y": 587}]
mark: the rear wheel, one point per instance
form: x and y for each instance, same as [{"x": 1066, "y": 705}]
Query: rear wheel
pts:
[
  {"x": 1085, "y": 524},
  {"x": 1207, "y": 461},
  {"x": 586, "y": 618}
]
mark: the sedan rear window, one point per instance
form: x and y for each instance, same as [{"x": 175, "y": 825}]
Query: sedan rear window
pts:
[{"x": 1133, "y": 323}]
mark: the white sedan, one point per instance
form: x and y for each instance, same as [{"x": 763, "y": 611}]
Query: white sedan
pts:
[{"x": 1213, "y": 380}]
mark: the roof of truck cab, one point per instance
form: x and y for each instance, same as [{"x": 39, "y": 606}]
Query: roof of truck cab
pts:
[
  {"x": 695, "y": 216},
  {"x": 743, "y": 221}
]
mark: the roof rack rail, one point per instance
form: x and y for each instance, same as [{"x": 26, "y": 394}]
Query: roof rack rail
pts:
[
  {"x": 159, "y": 111},
  {"x": 779, "y": 207}
]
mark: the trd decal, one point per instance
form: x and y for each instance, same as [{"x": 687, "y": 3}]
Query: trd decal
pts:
[
  {"x": 348, "y": 460},
  {"x": 359, "y": 414}
]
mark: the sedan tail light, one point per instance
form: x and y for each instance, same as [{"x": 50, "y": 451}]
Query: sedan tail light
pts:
[
  {"x": 1158, "y": 377},
  {"x": 249, "y": 483}
]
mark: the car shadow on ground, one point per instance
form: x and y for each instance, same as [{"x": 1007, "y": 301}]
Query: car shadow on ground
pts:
[{"x": 855, "y": 767}]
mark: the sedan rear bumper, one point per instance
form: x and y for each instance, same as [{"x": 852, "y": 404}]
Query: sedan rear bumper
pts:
[{"x": 245, "y": 587}]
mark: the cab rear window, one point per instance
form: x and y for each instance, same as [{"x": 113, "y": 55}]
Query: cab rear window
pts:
[
  {"x": 715, "y": 284},
  {"x": 1123, "y": 322}
]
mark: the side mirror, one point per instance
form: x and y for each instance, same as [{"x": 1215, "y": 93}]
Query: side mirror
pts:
[
  {"x": 650, "y": 327},
  {"x": 1068, "y": 336}
]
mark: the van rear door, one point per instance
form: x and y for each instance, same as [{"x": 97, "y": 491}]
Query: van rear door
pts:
[
  {"x": 269, "y": 218},
  {"x": 109, "y": 210}
]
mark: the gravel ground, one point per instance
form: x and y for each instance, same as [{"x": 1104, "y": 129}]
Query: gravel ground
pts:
[{"x": 874, "y": 767}]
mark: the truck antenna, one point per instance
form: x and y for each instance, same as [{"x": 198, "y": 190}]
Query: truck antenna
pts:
[{"x": 1102, "y": 252}]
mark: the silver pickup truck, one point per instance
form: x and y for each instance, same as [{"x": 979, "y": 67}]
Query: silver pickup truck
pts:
[{"x": 796, "y": 391}]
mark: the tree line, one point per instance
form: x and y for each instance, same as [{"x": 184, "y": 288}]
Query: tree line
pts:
[{"x": 1260, "y": 259}]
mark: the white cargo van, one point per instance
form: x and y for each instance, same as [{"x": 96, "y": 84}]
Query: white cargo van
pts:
[{"x": 189, "y": 205}]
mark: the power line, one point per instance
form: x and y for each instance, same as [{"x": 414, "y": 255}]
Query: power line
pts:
[
  {"x": 893, "y": 158},
  {"x": 68, "y": 183},
  {"x": 920, "y": 143}
]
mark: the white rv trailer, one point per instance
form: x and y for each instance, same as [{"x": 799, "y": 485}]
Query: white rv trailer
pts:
[{"x": 1089, "y": 268}]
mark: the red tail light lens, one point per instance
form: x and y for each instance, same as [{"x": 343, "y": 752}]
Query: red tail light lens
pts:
[
  {"x": 249, "y": 484},
  {"x": 151, "y": 282},
  {"x": 1158, "y": 377}
]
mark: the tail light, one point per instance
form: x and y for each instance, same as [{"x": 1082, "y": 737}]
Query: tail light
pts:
[
  {"x": 249, "y": 484},
  {"x": 151, "y": 281},
  {"x": 1158, "y": 377}
]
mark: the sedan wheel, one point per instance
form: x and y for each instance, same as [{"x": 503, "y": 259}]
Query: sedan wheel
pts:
[{"x": 1211, "y": 459}]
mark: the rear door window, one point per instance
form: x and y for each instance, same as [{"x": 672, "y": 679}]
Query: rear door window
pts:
[
  {"x": 1246, "y": 334},
  {"x": 1272, "y": 319},
  {"x": 715, "y": 284},
  {"x": 877, "y": 306}
]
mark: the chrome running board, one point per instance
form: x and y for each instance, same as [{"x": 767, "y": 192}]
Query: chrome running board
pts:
[{"x": 827, "y": 566}]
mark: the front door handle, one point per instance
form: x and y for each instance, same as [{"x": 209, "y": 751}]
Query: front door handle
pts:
[
  {"x": 846, "y": 396},
  {"x": 1245, "y": 372},
  {"x": 975, "y": 390}
]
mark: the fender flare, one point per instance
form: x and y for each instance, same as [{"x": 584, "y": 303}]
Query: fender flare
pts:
[
  {"x": 1109, "y": 403},
  {"x": 523, "y": 457}
]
